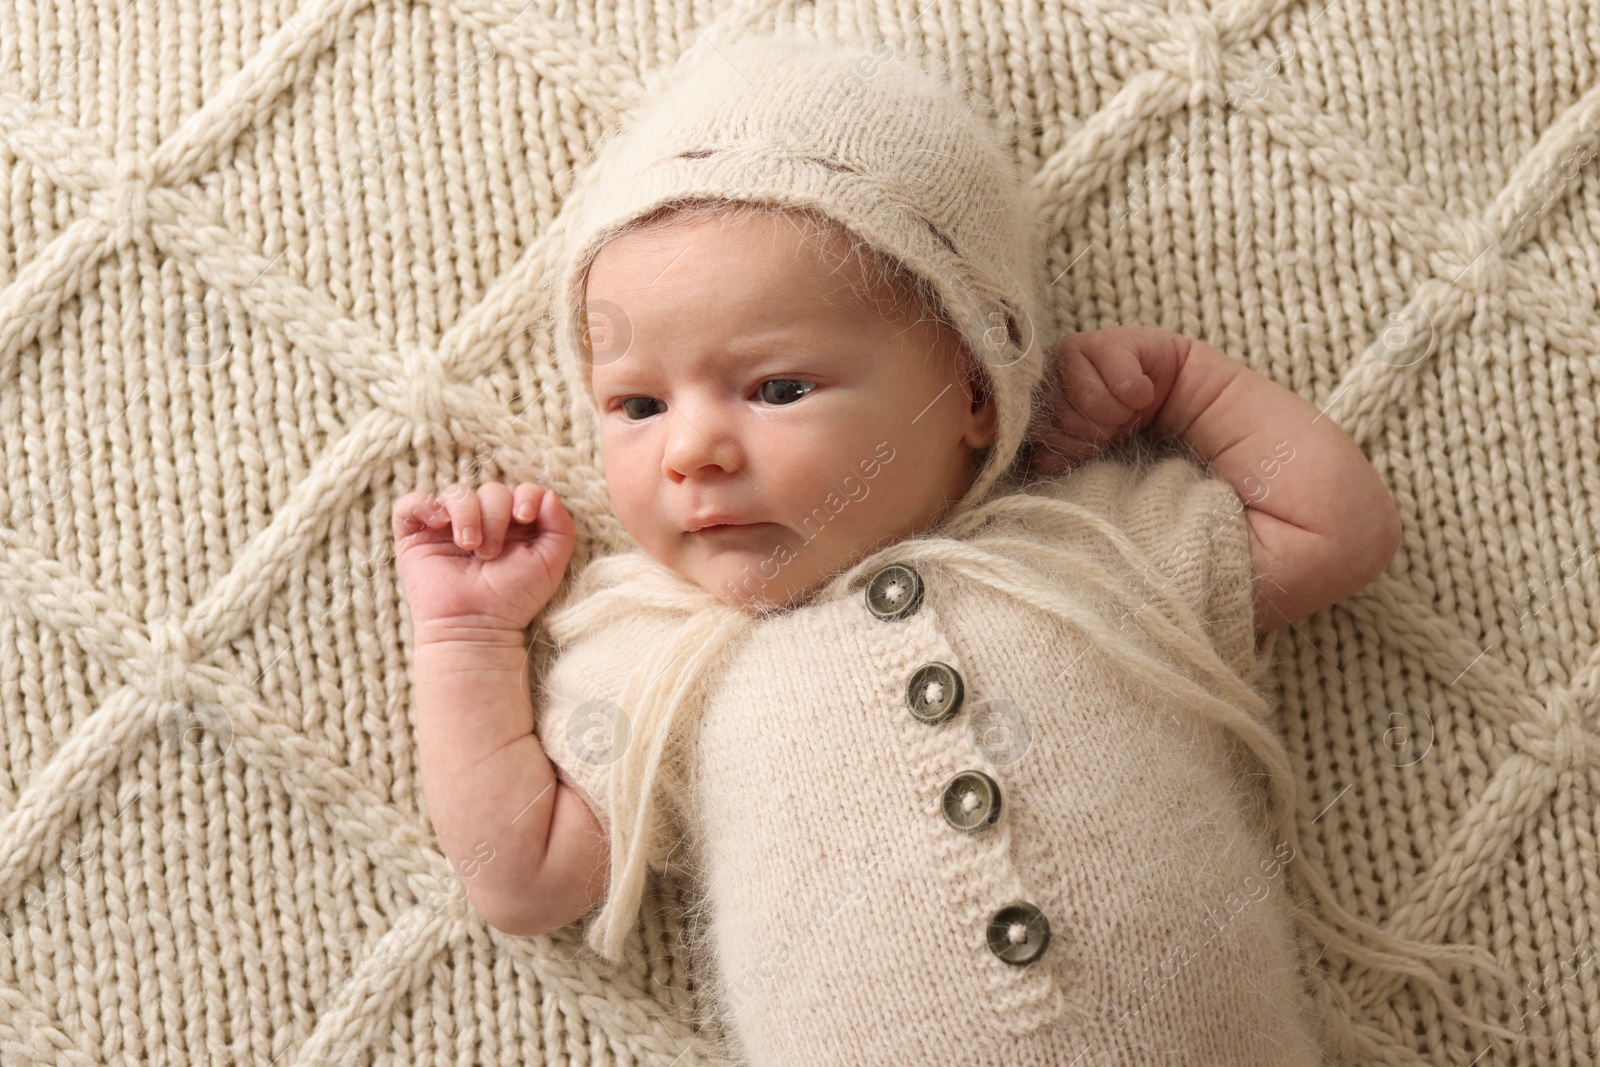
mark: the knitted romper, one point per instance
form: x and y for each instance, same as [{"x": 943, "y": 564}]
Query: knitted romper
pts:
[{"x": 933, "y": 823}]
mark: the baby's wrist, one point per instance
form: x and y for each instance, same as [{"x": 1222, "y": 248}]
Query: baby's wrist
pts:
[{"x": 477, "y": 634}]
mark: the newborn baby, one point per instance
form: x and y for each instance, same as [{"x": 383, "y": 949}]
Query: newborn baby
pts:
[{"x": 966, "y": 759}]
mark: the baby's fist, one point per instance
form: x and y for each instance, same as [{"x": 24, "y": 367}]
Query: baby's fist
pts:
[
  {"x": 1113, "y": 381},
  {"x": 490, "y": 557}
]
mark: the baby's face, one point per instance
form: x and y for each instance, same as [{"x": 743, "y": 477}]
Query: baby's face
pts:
[{"x": 740, "y": 382}]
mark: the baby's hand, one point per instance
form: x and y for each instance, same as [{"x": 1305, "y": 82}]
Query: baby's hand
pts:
[
  {"x": 493, "y": 557},
  {"x": 1113, "y": 382}
]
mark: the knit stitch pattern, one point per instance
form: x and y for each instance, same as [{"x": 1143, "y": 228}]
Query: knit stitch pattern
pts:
[{"x": 266, "y": 267}]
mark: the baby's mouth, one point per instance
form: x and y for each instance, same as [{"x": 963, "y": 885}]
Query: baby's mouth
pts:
[{"x": 731, "y": 527}]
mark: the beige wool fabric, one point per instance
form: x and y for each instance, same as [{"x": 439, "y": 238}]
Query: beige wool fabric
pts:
[
  {"x": 845, "y": 921},
  {"x": 266, "y": 267}
]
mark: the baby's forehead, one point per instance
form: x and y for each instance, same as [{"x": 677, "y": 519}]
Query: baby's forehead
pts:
[
  {"x": 754, "y": 322},
  {"x": 809, "y": 242}
]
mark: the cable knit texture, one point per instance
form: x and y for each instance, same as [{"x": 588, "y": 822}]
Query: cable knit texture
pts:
[{"x": 265, "y": 267}]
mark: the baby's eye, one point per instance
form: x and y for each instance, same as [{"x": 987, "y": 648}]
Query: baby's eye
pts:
[
  {"x": 786, "y": 392},
  {"x": 634, "y": 412}
]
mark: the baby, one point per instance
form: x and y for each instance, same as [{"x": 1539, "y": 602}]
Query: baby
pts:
[{"x": 962, "y": 747}]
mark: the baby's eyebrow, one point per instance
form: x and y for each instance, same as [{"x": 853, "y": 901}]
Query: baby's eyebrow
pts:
[
  {"x": 788, "y": 342},
  {"x": 737, "y": 358}
]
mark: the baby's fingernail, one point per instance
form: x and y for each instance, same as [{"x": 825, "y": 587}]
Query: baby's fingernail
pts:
[
  {"x": 524, "y": 511},
  {"x": 469, "y": 536}
]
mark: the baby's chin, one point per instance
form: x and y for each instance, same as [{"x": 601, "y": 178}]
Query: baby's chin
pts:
[
  {"x": 759, "y": 578},
  {"x": 755, "y": 597}
]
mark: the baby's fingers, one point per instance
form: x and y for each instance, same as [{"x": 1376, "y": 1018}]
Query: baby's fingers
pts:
[
  {"x": 1104, "y": 367},
  {"x": 416, "y": 511},
  {"x": 1123, "y": 374},
  {"x": 525, "y": 501},
  {"x": 466, "y": 518},
  {"x": 494, "y": 501}
]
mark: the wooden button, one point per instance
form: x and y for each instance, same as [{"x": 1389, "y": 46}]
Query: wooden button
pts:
[
  {"x": 934, "y": 692},
  {"x": 894, "y": 592},
  {"x": 1018, "y": 933},
  {"x": 971, "y": 801}
]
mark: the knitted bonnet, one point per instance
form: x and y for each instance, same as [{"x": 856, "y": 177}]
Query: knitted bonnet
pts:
[{"x": 890, "y": 150}]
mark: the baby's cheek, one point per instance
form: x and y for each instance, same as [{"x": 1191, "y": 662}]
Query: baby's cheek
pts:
[{"x": 634, "y": 508}]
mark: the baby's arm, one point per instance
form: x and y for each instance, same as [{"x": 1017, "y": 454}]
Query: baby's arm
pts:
[
  {"x": 1322, "y": 524},
  {"x": 529, "y": 850},
  {"x": 538, "y": 858}
]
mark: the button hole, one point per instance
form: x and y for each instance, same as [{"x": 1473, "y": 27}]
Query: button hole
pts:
[
  {"x": 698, "y": 153},
  {"x": 833, "y": 164},
  {"x": 1011, "y": 327},
  {"x": 941, "y": 237}
]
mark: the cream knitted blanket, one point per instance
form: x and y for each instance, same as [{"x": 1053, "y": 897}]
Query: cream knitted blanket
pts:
[{"x": 265, "y": 267}]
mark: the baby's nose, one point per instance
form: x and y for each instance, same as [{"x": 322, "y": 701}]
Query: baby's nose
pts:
[{"x": 698, "y": 444}]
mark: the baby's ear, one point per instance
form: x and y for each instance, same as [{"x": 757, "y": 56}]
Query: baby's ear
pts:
[
  {"x": 974, "y": 379},
  {"x": 978, "y": 387}
]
